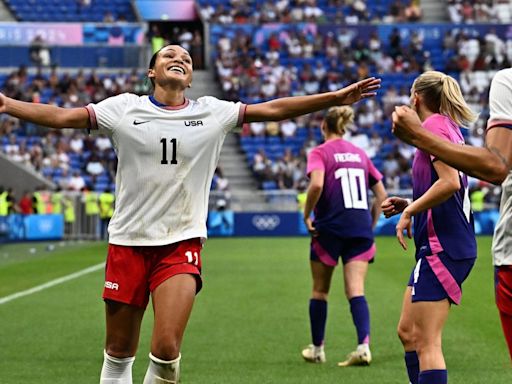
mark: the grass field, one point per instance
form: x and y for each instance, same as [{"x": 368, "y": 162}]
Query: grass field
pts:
[{"x": 249, "y": 322}]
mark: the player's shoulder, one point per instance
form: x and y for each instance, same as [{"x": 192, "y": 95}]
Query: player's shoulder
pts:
[
  {"x": 503, "y": 75},
  {"x": 438, "y": 123},
  {"x": 212, "y": 102}
]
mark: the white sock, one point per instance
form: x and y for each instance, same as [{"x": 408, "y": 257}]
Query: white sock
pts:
[
  {"x": 162, "y": 372},
  {"x": 116, "y": 370},
  {"x": 319, "y": 349}
]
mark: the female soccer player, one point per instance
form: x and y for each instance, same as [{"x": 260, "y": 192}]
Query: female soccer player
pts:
[
  {"x": 340, "y": 175},
  {"x": 492, "y": 163},
  {"x": 167, "y": 147},
  {"x": 443, "y": 230}
]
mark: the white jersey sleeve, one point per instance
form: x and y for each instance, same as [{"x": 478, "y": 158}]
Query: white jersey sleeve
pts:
[
  {"x": 230, "y": 115},
  {"x": 500, "y": 105},
  {"x": 500, "y": 99},
  {"x": 107, "y": 114}
]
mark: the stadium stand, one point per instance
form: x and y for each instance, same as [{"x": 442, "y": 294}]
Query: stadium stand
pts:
[
  {"x": 258, "y": 51},
  {"x": 72, "y": 10}
]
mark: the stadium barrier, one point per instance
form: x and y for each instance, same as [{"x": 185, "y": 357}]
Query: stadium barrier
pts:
[
  {"x": 269, "y": 213},
  {"x": 272, "y": 223}
]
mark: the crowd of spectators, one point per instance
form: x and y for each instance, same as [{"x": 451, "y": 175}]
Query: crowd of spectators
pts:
[
  {"x": 71, "y": 159},
  {"x": 295, "y": 61},
  {"x": 349, "y": 12},
  {"x": 479, "y": 11},
  {"x": 300, "y": 61}
]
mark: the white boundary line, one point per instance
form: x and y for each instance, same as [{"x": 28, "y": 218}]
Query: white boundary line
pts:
[{"x": 51, "y": 283}]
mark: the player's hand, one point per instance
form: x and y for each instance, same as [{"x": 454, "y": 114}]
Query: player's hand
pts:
[
  {"x": 406, "y": 124},
  {"x": 357, "y": 91},
  {"x": 393, "y": 206},
  {"x": 404, "y": 224},
  {"x": 309, "y": 225}
]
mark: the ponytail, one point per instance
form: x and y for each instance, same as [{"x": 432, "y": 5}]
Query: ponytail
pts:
[
  {"x": 338, "y": 118},
  {"x": 441, "y": 94}
]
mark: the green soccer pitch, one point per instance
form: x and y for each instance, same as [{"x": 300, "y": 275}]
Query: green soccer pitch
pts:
[{"x": 249, "y": 323}]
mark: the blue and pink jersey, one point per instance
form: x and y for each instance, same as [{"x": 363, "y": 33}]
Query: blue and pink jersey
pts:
[
  {"x": 447, "y": 227},
  {"x": 343, "y": 208}
]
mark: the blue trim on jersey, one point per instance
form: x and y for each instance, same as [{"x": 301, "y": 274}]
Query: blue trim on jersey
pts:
[{"x": 156, "y": 102}]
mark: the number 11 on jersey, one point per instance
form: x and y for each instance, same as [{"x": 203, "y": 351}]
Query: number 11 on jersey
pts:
[{"x": 164, "y": 151}]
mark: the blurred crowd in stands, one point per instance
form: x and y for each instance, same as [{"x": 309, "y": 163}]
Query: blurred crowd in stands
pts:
[
  {"x": 480, "y": 11},
  {"x": 254, "y": 66},
  {"x": 349, "y": 12},
  {"x": 301, "y": 61},
  {"x": 71, "y": 159}
]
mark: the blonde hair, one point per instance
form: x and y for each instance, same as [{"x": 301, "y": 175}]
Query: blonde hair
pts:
[
  {"x": 441, "y": 94},
  {"x": 338, "y": 118}
]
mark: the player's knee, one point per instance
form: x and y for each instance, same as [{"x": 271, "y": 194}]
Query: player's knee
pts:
[
  {"x": 406, "y": 335},
  {"x": 168, "y": 350},
  {"x": 119, "y": 350}
]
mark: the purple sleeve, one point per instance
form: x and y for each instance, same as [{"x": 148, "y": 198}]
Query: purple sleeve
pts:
[
  {"x": 315, "y": 161},
  {"x": 374, "y": 175}
]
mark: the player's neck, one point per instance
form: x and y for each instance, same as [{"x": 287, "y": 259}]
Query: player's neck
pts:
[
  {"x": 332, "y": 137},
  {"x": 169, "y": 97},
  {"x": 424, "y": 114}
]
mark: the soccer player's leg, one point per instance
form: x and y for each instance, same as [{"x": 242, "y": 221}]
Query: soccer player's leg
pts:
[
  {"x": 123, "y": 329},
  {"x": 437, "y": 284},
  {"x": 405, "y": 332},
  {"x": 174, "y": 282},
  {"x": 126, "y": 296},
  {"x": 357, "y": 253},
  {"x": 322, "y": 274},
  {"x": 503, "y": 277},
  {"x": 323, "y": 258},
  {"x": 429, "y": 320},
  {"x": 172, "y": 304}
]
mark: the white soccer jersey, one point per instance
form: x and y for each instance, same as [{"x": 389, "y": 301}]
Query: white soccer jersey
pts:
[
  {"x": 500, "y": 104},
  {"x": 166, "y": 160}
]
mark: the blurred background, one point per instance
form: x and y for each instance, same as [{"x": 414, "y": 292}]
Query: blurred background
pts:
[{"x": 60, "y": 184}]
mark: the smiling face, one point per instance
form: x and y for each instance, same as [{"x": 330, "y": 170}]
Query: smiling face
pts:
[{"x": 172, "y": 66}]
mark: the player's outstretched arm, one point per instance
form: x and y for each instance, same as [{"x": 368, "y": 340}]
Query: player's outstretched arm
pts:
[
  {"x": 44, "y": 114},
  {"x": 289, "y": 107},
  {"x": 491, "y": 163}
]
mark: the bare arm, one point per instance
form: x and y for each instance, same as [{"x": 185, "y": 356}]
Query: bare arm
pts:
[
  {"x": 380, "y": 195},
  {"x": 491, "y": 163},
  {"x": 316, "y": 186},
  {"x": 444, "y": 188},
  {"x": 447, "y": 184},
  {"x": 44, "y": 114},
  {"x": 289, "y": 107}
]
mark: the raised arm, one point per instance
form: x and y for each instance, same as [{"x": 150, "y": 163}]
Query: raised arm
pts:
[
  {"x": 44, "y": 114},
  {"x": 289, "y": 107},
  {"x": 491, "y": 163}
]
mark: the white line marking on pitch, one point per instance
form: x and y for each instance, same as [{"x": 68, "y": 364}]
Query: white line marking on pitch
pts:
[{"x": 51, "y": 283}]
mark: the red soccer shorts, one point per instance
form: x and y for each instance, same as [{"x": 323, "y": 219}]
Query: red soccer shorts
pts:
[
  {"x": 503, "y": 276},
  {"x": 132, "y": 273}
]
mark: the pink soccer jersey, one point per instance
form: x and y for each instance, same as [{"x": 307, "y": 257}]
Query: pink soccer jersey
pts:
[
  {"x": 343, "y": 208},
  {"x": 447, "y": 227}
]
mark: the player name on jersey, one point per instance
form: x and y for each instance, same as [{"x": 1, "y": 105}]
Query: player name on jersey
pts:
[{"x": 347, "y": 157}]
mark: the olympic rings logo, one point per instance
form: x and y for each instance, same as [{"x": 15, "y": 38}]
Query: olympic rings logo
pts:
[{"x": 266, "y": 222}]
